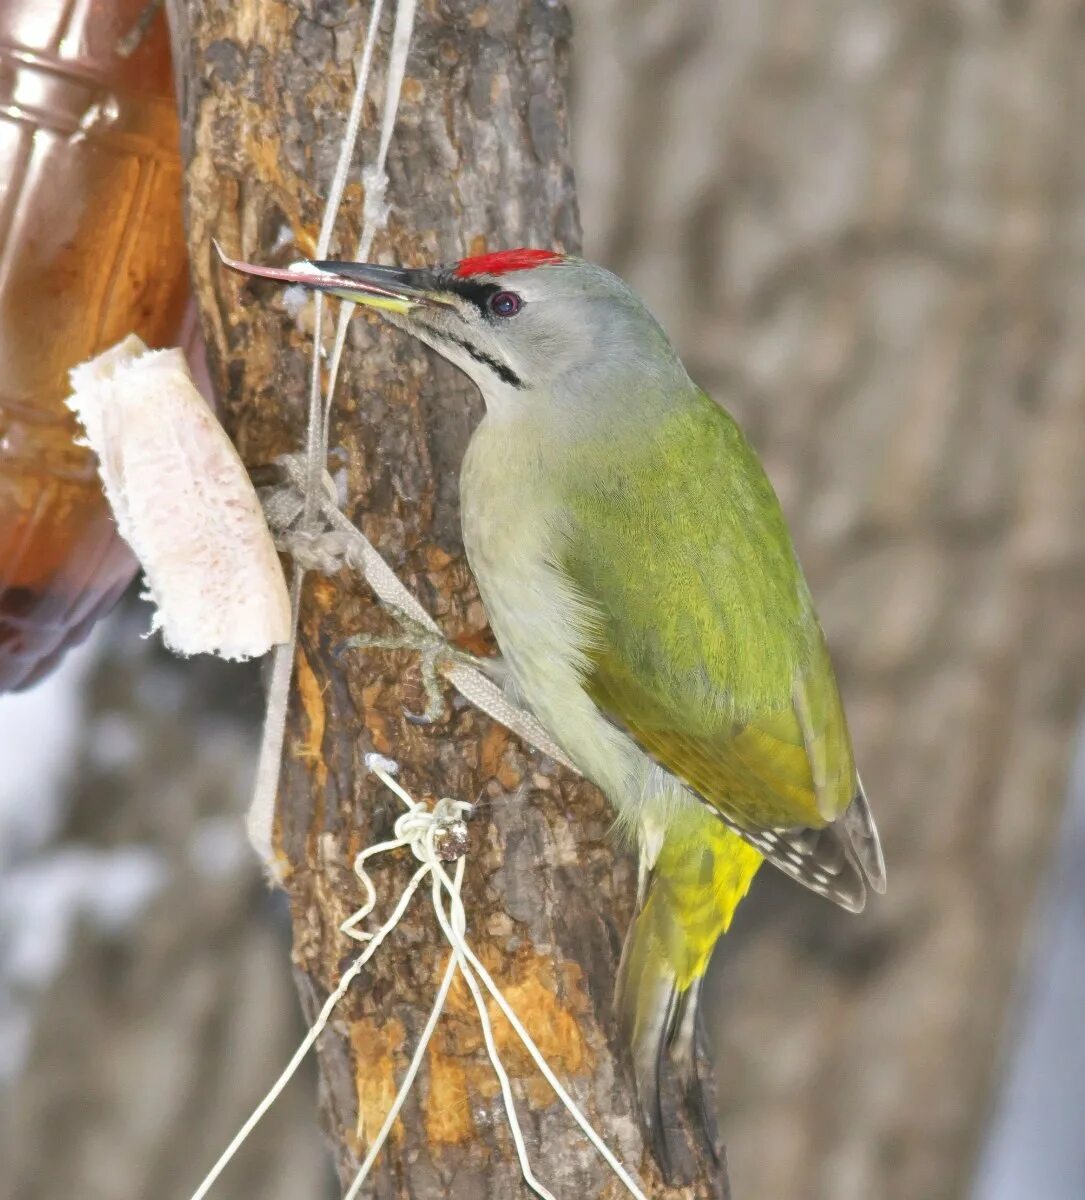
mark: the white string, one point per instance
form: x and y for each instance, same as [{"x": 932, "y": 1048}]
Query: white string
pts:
[
  {"x": 412, "y": 1071},
  {"x": 529, "y": 1045},
  {"x": 317, "y": 441},
  {"x": 324, "y": 1016},
  {"x": 464, "y": 952},
  {"x": 454, "y": 931},
  {"x": 418, "y": 829},
  {"x": 350, "y": 134},
  {"x": 475, "y": 687},
  {"x": 375, "y": 179},
  {"x": 261, "y": 819}
]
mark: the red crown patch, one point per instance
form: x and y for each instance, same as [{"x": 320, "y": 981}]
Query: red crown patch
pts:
[{"x": 523, "y": 259}]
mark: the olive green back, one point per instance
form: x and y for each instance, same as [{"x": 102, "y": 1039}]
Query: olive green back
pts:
[{"x": 707, "y": 651}]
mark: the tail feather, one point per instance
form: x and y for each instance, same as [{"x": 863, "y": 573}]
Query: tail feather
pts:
[
  {"x": 692, "y": 1063},
  {"x": 648, "y": 1000},
  {"x": 702, "y": 872},
  {"x": 687, "y": 899}
]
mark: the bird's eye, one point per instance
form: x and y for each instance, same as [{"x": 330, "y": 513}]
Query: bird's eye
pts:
[{"x": 505, "y": 304}]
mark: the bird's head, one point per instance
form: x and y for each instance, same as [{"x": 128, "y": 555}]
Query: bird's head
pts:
[{"x": 523, "y": 324}]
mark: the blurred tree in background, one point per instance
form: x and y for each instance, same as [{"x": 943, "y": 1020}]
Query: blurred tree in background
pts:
[
  {"x": 863, "y": 225},
  {"x": 145, "y": 991}
]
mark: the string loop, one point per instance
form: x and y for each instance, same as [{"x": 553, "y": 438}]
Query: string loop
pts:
[{"x": 435, "y": 836}]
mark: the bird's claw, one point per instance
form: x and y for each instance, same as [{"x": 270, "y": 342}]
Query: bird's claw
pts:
[
  {"x": 425, "y": 718},
  {"x": 434, "y": 654},
  {"x": 430, "y": 662}
]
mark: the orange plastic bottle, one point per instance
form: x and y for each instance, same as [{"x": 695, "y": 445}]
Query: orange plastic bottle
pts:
[{"x": 91, "y": 248}]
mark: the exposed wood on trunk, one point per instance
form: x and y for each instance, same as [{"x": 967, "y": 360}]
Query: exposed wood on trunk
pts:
[{"x": 480, "y": 162}]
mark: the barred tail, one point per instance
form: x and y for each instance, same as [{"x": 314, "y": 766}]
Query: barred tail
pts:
[{"x": 702, "y": 872}]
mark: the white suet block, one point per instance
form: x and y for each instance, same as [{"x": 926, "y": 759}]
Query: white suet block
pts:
[{"x": 184, "y": 502}]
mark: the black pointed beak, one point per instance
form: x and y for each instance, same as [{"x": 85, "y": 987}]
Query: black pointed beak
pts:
[{"x": 391, "y": 289}]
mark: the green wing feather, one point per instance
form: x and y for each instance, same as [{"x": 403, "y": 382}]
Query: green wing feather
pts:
[{"x": 707, "y": 649}]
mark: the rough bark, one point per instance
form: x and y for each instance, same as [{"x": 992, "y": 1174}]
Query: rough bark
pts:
[
  {"x": 480, "y": 161},
  {"x": 863, "y": 225}
]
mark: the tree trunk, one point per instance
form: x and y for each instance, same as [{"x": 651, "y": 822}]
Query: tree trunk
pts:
[
  {"x": 480, "y": 161},
  {"x": 862, "y": 224}
]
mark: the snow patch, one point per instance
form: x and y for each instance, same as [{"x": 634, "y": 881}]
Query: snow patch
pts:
[
  {"x": 39, "y": 730},
  {"x": 42, "y": 902}
]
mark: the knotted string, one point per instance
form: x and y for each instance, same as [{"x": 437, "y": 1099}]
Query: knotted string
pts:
[{"x": 434, "y": 837}]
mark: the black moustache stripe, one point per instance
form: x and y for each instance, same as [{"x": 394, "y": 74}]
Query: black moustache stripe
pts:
[{"x": 500, "y": 369}]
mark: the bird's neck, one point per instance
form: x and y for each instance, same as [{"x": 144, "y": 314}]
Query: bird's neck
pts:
[{"x": 611, "y": 401}]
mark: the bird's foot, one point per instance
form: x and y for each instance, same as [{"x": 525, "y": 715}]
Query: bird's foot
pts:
[{"x": 436, "y": 655}]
